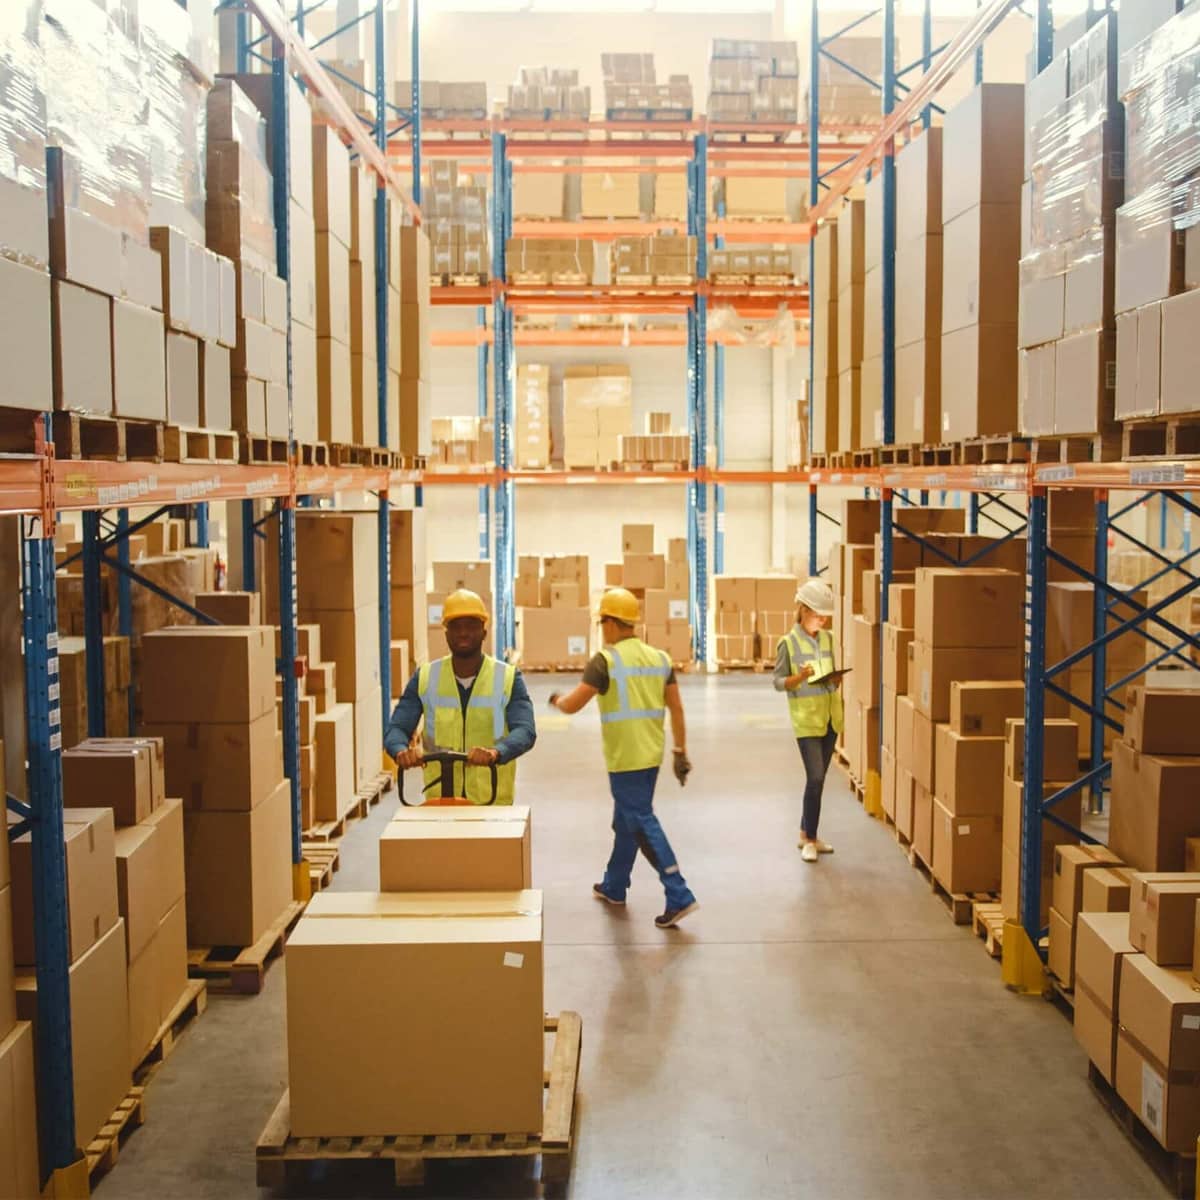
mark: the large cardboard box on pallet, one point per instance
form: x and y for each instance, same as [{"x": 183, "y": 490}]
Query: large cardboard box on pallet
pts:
[
  {"x": 19, "y": 1171},
  {"x": 1101, "y": 946},
  {"x": 554, "y": 636},
  {"x": 442, "y": 1070},
  {"x": 334, "y": 741},
  {"x": 1162, "y": 917},
  {"x": 1152, "y": 808},
  {"x": 966, "y": 851},
  {"x": 456, "y": 849}
]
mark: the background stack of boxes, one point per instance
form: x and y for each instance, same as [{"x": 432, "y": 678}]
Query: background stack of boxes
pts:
[
  {"x": 550, "y": 260},
  {"x": 1074, "y": 184},
  {"x": 450, "y": 577},
  {"x": 460, "y": 442},
  {"x": 754, "y": 262},
  {"x": 1157, "y": 240},
  {"x": 554, "y": 620},
  {"x": 662, "y": 585},
  {"x": 597, "y": 411},
  {"x": 407, "y": 584},
  {"x": 241, "y": 225},
  {"x": 657, "y": 447},
  {"x": 754, "y": 81},
  {"x": 531, "y": 406},
  {"x": 454, "y": 919},
  {"x": 72, "y": 679},
  {"x": 851, "y": 312},
  {"x": 665, "y": 260},
  {"x": 408, "y": 341},
  {"x": 455, "y": 213},
  {"x": 825, "y": 400},
  {"x": 224, "y": 758},
  {"x": 631, "y": 92},
  {"x": 331, "y": 215},
  {"x": 547, "y": 94},
  {"x": 844, "y": 95},
  {"x": 752, "y": 615},
  {"x": 441, "y": 100},
  {"x": 364, "y": 364}
]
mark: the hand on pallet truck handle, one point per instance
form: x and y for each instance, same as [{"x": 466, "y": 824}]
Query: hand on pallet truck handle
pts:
[{"x": 447, "y": 760}]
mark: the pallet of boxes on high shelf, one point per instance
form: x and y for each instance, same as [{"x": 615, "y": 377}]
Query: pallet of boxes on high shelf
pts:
[
  {"x": 665, "y": 261},
  {"x": 657, "y": 449},
  {"x": 540, "y": 261},
  {"x": 462, "y": 443},
  {"x": 751, "y": 265},
  {"x": 548, "y": 94},
  {"x": 441, "y": 100},
  {"x": 754, "y": 81},
  {"x": 845, "y": 95},
  {"x": 597, "y": 412},
  {"x": 632, "y": 93},
  {"x": 455, "y": 215},
  {"x": 1158, "y": 243},
  {"x": 752, "y": 616},
  {"x": 1074, "y": 185},
  {"x": 553, "y": 606}
]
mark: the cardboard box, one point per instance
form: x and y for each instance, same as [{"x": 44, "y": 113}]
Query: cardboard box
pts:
[
  {"x": 905, "y": 787},
  {"x": 643, "y": 571},
  {"x": 230, "y": 673},
  {"x": 922, "y": 835},
  {"x": 866, "y": 656},
  {"x": 350, "y": 640},
  {"x": 983, "y": 362},
  {"x": 553, "y": 637},
  {"x": 983, "y": 143},
  {"x": 968, "y": 773},
  {"x": 902, "y": 605},
  {"x": 1101, "y": 944},
  {"x": 441, "y": 1071},
  {"x": 980, "y": 277},
  {"x": 1159, "y": 1037},
  {"x": 969, "y": 607},
  {"x": 82, "y": 345},
  {"x": 896, "y": 642},
  {"x": 1162, "y": 720},
  {"x": 168, "y": 819},
  {"x": 334, "y": 739},
  {"x": 637, "y": 539},
  {"x": 1162, "y": 917},
  {"x": 216, "y": 391},
  {"x": 138, "y": 362},
  {"x": 1152, "y": 808},
  {"x": 221, "y": 766},
  {"x": 983, "y": 708},
  {"x": 1060, "y": 956},
  {"x": 456, "y": 849},
  {"x": 1068, "y": 809},
  {"x": 924, "y": 756},
  {"x": 1105, "y": 890},
  {"x": 19, "y": 1170},
  {"x": 1071, "y": 866},
  {"x": 140, "y": 885},
  {"x": 88, "y": 835},
  {"x": 932, "y": 671},
  {"x": 337, "y": 561},
  {"x": 231, "y": 608},
  {"x": 124, "y": 774},
  {"x": 25, "y": 339},
  {"x": 99, "y": 1030},
  {"x": 368, "y": 737},
  {"x": 239, "y": 870},
  {"x": 966, "y": 851},
  {"x": 1060, "y": 757}
]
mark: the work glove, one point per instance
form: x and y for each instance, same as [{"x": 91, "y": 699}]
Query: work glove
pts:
[
  {"x": 554, "y": 699},
  {"x": 682, "y": 767}
]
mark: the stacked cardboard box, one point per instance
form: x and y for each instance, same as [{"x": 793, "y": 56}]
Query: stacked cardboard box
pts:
[
  {"x": 549, "y": 93},
  {"x": 456, "y": 215},
  {"x": 550, "y": 260},
  {"x": 302, "y": 263},
  {"x": 597, "y": 410},
  {"x": 408, "y": 344},
  {"x": 825, "y": 400},
  {"x": 631, "y": 93},
  {"x": 531, "y": 403},
  {"x": 450, "y": 577},
  {"x": 639, "y": 450},
  {"x": 754, "y": 261},
  {"x": 127, "y": 776},
  {"x": 752, "y": 615},
  {"x": 462, "y": 442},
  {"x": 667, "y": 259},
  {"x": 981, "y": 193},
  {"x": 898, "y": 632},
  {"x": 1073, "y": 187},
  {"x": 554, "y": 621},
  {"x": 843, "y": 93},
  {"x": 538, "y": 196},
  {"x": 96, "y": 953},
  {"x": 72, "y": 680},
  {"x": 408, "y": 598},
  {"x": 1157, "y": 246},
  {"x": 670, "y": 196},
  {"x": 440, "y": 99},
  {"x": 364, "y": 341},
  {"x": 919, "y": 281},
  {"x": 662, "y": 585},
  {"x": 1071, "y": 866},
  {"x": 224, "y": 757},
  {"x": 614, "y": 196},
  {"x": 753, "y": 81},
  {"x": 870, "y": 413},
  {"x": 19, "y": 1174},
  {"x": 851, "y": 311}
]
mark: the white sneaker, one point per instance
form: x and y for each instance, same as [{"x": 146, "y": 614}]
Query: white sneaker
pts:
[
  {"x": 823, "y": 847},
  {"x": 809, "y": 852}
]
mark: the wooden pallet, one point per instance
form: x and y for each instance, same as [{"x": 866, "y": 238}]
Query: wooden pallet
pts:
[
  {"x": 1002, "y": 449},
  {"x": 674, "y": 281},
  {"x": 191, "y": 1003},
  {"x": 114, "y": 439},
  {"x": 103, "y": 1150},
  {"x": 735, "y": 664},
  {"x": 312, "y": 454},
  {"x": 731, "y": 280},
  {"x": 528, "y": 668},
  {"x": 437, "y": 280},
  {"x": 633, "y": 281},
  {"x": 184, "y": 445},
  {"x": 868, "y": 457},
  {"x": 341, "y": 455},
  {"x": 1169, "y": 437},
  {"x": 1176, "y": 1171},
  {"x": 264, "y": 451},
  {"x": 20, "y": 431},
  {"x": 647, "y": 114},
  {"x": 987, "y": 920},
  {"x": 365, "y": 799},
  {"x": 569, "y": 279},
  {"x": 529, "y": 278},
  {"x": 242, "y": 969},
  {"x": 283, "y": 1160},
  {"x": 944, "y": 454},
  {"x": 650, "y": 467},
  {"x": 958, "y": 904},
  {"x": 1098, "y": 447},
  {"x": 898, "y": 456},
  {"x": 468, "y": 279},
  {"x": 324, "y": 859}
]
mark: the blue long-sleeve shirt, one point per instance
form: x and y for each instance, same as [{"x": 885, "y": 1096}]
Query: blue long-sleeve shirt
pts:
[{"x": 518, "y": 715}]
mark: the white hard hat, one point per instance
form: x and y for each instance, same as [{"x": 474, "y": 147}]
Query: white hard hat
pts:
[{"x": 817, "y": 595}]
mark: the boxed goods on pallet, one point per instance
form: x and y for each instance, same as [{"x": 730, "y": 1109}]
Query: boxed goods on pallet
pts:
[
  {"x": 408, "y": 345},
  {"x": 825, "y": 321},
  {"x": 456, "y": 216},
  {"x": 1157, "y": 251},
  {"x": 456, "y": 849},
  {"x": 364, "y": 346},
  {"x": 753, "y": 80},
  {"x": 439, "y": 1072},
  {"x": 981, "y": 191},
  {"x": 549, "y": 93},
  {"x": 554, "y": 637},
  {"x": 751, "y": 261},
  {"x": 549, "y": 259},
  {"x": 408, "y": 597},
  {"x": 1074, "y": 184},
  {"x": 1151, "y": 815},
  {"x": 539, "y": 197},
  {"x": 462, "y": 441},
  {"x": 843, "y": 92},
  {"x": 1102, "y": 947},
  {"x": 19, "y": 1170},
  {"x": 531, "y": 404},
  {"x": 597, "y": 410},
  {"x": 1071, "y": 867},
  {"x": 851, "y": 276},
  {"x": 610, "y": 195},
  {"x": 441, "y": 100}
]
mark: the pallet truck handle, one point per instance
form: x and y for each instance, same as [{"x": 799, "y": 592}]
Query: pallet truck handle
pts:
[{"x": 447, "y": 759}]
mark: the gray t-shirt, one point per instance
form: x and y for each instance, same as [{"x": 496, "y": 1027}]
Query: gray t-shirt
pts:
[{"x": 595, "y": 674}]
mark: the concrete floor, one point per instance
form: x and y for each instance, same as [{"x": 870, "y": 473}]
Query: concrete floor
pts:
[{"x": 819, "y": 1031}]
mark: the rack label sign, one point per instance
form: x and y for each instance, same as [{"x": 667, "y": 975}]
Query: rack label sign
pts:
[
  {"x": 1167, "y": 473},
  {"x": 1056, "y": 474}
]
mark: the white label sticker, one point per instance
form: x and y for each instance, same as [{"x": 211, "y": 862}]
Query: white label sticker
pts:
[
  {"x": 54, "y": 718},
  {"x": 925, "y": 688},
  {"x": 576, "y": 646},
  {"x": 964, "y": 830},
  {"x": 1190, "y": 1022},
  {"x": 53, "y": 691},
  {"x": 435, "y": 614},
  {"x": 514, "y": 960},
  {"x": 52, "y": 641},
  {"x": 1152, "y": 1099},
  {"x": 945, "y": 422},
  {"x": 677, "y": 610},
  {"x": 56, "y": 741}
]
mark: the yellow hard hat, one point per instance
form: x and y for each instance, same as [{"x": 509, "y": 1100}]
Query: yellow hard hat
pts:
[
  {"x": 621, "y": 605},
  {"x": 463, "y": 603}
]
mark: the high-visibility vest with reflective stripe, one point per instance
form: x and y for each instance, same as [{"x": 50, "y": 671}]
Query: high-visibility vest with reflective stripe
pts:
[
  {"x": 813, "y": 706},
  {"x": 483, "y": 724},
  {"x": 633, "y": 708}
]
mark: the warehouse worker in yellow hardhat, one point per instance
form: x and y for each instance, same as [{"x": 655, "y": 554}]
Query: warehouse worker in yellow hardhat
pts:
[
  {"x": 471, "y": 703},
  {"x": 805, "y": 669},
  {"x": 637, "y": 688}
]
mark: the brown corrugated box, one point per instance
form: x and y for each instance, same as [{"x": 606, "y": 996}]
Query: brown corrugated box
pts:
[
  {"x": 1152, "y": 808},
  {"x": 1180, "y": 353},
  {"x": 980, "y": 280},
  {"x": 230, "y": 673},
  {"x": 1105, "y": 890},
  {"x": 968, "y": 773},
  {"x": 456, "y": 849},
  {"x": 982, "y": 708},
  {"x": 19, "y": 1170},
  {"x": 966, "y": 851},
  {"x": 932, "y": 671},
  {"x": 1060, "y": 749},
  {"x": 1101, "y": 944},
  {"x": 442, "y": 1070},
  {"x": 1162, "y": 916},
  {"x": 124, "y": 774},
  {"x": 982, "y": 360},
  {"x": 82, "y": 326},
  {"x": 983, "y": 149},
  {"x": 973, "y": 607},
  {"x": 333, "y": 737},
  {"x": 1072, "y": 864},
  {"x": 554, "y": 637}
]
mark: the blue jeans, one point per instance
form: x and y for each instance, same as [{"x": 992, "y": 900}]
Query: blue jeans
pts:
[{"x": 635, "y": 827}]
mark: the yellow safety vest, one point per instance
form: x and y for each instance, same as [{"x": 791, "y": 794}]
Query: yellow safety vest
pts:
[
  {"x": 633, "y": 708},
  {"x": 483, "y": 724},
  {"x": 814, "y": 706}
]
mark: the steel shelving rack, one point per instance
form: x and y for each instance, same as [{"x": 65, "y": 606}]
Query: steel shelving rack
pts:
[{"x": 37, "y": 487}]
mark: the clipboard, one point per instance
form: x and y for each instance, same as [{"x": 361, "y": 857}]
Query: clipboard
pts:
[{"x": 830, "y": 676}]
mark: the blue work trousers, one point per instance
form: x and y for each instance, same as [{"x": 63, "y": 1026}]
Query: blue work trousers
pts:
[{"x": 635, "y": 827}]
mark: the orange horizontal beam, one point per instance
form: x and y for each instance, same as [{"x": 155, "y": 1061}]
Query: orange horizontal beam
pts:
[
  {"x": 612, "y": 336},
  {"x": 596, "y": 230},
  {"x": 760, "y": 231}
]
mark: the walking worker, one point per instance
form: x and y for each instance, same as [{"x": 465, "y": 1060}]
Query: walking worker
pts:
[
  {"x": 471, "y": 703},
  {"x": 636, "y": 687},
  {"x": 803, "y": 666}
]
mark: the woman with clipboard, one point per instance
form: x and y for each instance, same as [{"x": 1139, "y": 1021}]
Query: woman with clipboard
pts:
[{"x": 805, "y": 670}]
